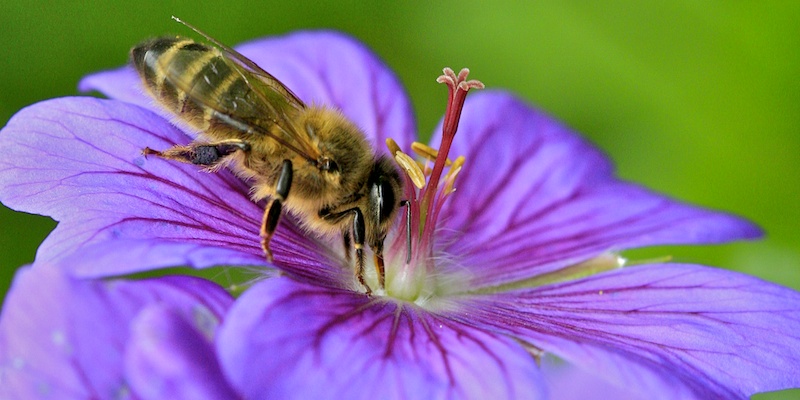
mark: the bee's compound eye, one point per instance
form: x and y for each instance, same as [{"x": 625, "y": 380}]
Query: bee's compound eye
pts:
[
  {"x": 383, "y": 198},
  {"x": 329, "y": 165}
]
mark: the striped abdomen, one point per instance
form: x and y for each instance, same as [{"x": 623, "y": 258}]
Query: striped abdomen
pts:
[{"x": 196, "y": 82}]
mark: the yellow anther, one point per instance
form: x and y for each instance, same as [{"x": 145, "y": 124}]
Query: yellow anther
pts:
[
  {"x": 411, "y": 167},
  {"x": 392, "y": 145},
  {"x": 456, "y": 167},
  {"x": 450, "y": 178},
  {"x": 427, "y": 152}
]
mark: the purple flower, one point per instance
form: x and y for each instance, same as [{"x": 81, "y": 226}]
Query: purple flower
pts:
[
  {"x": 66, "y": 338},
  {"x": 515, "y": 268}
]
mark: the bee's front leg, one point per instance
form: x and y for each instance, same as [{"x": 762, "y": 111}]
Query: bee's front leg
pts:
[
  {"x": 347, "y": 242},
  {"x": 272, "y": 214},
  {"x": 359, "y": 234},
  {"x": 211, "y": 155}
]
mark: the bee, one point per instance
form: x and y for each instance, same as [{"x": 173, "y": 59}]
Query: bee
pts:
[{"x": 310, "y": 160}]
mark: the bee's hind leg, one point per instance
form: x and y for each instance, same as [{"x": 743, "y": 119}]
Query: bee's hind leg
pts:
[
  {"x": 210, "y": 155},
  {"x": 272, "y": 213}
]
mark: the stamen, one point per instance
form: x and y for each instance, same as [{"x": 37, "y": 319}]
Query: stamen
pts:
[
  {"x": 427, "y": 152},
  {"x": 455, "y": 168},
  {"x": 416, "y": 277},
  {"x": 412, "y": 169},
  {"x": 450, "y": 177},
  {"x": 425, "y": 167},
  {"x": 393, "y": 147}
]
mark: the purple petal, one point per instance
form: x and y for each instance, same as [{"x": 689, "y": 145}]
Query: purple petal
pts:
[
  {"x": 566, "y": 382},
  {"x": 169, "y": 358},
  {"x": 533, "y": 197},
  {"x": 64, "y": 338},
  {"x": 326, "y": 68},
  {"x": 288, "y": 340},
  {"x": 679, "y": 331},
  {"x": 119, "y": 84},
  {"x": 79, "y": 161}
]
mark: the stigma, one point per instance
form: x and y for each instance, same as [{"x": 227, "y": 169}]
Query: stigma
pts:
[{"x": 430, "y": 176}]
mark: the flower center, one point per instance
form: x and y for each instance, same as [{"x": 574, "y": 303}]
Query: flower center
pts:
[{"x": 412, "y": 267}]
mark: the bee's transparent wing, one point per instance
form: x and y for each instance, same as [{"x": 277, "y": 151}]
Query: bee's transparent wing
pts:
[
  {"x": 238, "y": 96},
  {"x": 268, "y": 79}
]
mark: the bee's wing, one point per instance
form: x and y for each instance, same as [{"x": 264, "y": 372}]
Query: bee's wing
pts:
[
  {"x": 270, "y": 99},
  {"x": 240, "y": 98},
  {"x": 268, "y": 79}
]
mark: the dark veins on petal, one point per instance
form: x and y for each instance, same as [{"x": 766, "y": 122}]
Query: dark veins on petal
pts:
[
  {"x": 393, "y": 349},
  {"x": 707, "y": 329}
]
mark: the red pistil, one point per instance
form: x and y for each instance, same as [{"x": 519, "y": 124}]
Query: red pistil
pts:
[{"x": 458, "y": 86}]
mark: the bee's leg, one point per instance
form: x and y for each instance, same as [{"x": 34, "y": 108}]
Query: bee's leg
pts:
[
  {"x": 377, "y": 251},
  {"x": 359, "y": 233},
  {"x": 272, "y": 214},
  {"x": 377, "y": 248},
  {"x": 347, "y": 245},
  {"x": 209, "y": 155}
]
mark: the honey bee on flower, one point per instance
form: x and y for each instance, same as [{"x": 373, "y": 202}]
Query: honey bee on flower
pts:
[
  {"x": 258, "y": 127},
  {"x": 489, "y": 288}
]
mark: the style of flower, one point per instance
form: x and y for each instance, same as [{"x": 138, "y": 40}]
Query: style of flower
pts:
[{"x": 513, "y": 255}]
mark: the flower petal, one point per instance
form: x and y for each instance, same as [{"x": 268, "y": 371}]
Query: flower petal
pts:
[
  {"x": 63, "y": 338},
  {"x": 533, "y": 197},
  {"x": 356, "y": 347},
  {"x": 120, "y": 84},
  {"x": 79, "y": 161},
  {"x": 168, "y": 358},
  {"x": 672, "y": 331},
  {"x": 566, "y": 382},
  {"x": 326, "y": 68}
]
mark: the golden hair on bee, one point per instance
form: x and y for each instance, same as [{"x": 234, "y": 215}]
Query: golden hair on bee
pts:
[{"x": 310, "y": 160}]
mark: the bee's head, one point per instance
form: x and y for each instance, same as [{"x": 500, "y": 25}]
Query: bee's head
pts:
[{"x": 384, "y": 190}]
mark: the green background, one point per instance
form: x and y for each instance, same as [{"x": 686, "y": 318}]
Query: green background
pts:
[{"x": 700, "y": 100}]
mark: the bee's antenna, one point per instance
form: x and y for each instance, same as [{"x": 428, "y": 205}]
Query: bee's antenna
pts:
[
  {"x": 201, "y": 33},
  {"x": 190, "y": 26}
]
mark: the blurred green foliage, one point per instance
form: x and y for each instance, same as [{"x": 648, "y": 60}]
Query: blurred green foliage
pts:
[{"x": 700, "y": 100}]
